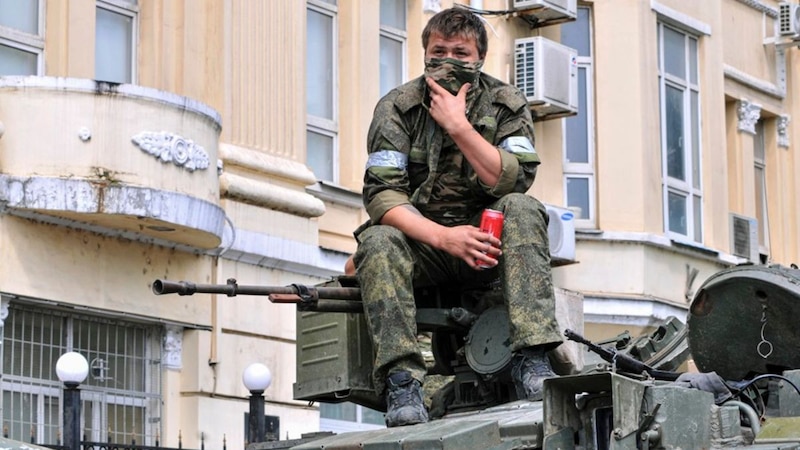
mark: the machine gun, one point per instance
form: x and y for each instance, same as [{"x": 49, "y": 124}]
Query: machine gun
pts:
[
  {"x": 307, "y": 298},
  {"x": 621, "y": 360},
  {"x": 469, "y": 339}
]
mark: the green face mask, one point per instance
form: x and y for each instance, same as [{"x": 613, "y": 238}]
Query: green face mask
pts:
[{"x": 451, "y": 73}]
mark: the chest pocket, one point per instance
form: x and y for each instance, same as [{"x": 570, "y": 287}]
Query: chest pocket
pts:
[{"x": 487, "y": 127}]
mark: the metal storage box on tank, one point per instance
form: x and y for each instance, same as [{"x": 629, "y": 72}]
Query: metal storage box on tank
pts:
[{"x": 334, "y": 357}]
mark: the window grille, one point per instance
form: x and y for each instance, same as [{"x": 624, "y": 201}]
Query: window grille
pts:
[{"x": 121, "y": 397}]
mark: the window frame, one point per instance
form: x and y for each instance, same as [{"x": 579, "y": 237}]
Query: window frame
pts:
[
  {"x": 689, "y": 189},
  {"x": 584, "y": 170},
  {"x": 27, "y": 42},
  {"x": 130, "y": 10},
  {"x": 762, "y": 196},
  {"x": 323, "y": 125},
  {"x": 400, "y": 36}
]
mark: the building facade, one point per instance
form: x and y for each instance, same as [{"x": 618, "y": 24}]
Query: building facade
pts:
[{"x": 212, "y": 139}]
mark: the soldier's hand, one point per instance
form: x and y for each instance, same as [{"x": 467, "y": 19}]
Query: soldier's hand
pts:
[
  {"x": 471, "y": 245},
  {"x": 448, "y": 110}
]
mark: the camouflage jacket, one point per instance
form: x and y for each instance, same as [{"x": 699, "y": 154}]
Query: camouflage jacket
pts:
[{"x": 412, "y": 161}]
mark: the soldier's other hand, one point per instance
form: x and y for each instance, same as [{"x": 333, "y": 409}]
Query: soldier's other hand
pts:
[{"x": 472, "y": 245}]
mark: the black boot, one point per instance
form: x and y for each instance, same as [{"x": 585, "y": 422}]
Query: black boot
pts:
[
  {"x": 529, "y": 368},
  {"x": 404, "y": 404}
]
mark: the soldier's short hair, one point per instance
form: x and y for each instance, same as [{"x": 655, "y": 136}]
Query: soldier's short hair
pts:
[{"x": 457, "y": 22}]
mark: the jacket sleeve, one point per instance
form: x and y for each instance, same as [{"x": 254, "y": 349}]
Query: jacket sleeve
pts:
[
  {"x": 516, "y": 143},
  {"x": 386, "y": 182}
]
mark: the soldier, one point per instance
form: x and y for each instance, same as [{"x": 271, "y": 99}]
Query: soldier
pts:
[{"x": 442, "y": 148}]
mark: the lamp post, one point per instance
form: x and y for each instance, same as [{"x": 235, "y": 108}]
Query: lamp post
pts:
[
  {"x": 72, "y": 369},
  {"x": 256, "y": 379}
]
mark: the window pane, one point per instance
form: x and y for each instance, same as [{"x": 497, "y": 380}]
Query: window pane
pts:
[
  {"x": 698, "y": 219},
  {"x": 320, "y": 155},
  {"x": 578, "y": 196},
  {"x": 676, "y": 209},
  {"x": 131, "y": 418},
  {"x": 113, "y": 47},
  {"x": 393, "y": 14},
  {"x": 693, "y": 60},
  {"x": 338, "y": 411},
  {"x": 319, "y": 63},
  {"x": 371, "y": 416},
  {"x": 575, "y": 34},
  {"x": 758, "y": 153},
  {"x": 674, "y": 123},
  {"x": 22, "y": 15},
  {"x": 16, "y": 62},
  {"x": 674, "y": 54},
  {"x": 761, "y": 204},
  {"x": 577, "y": 132},
  {"x": 695, "y": 124},
  {"x": 391, "y": 64},
  {"x": 22, "y": 412}
]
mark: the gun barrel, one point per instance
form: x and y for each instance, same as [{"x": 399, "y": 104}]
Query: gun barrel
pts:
[{"x": 231, "y": 289}]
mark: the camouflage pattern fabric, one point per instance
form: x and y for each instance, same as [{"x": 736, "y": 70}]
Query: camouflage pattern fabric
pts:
[
  {"x": 451, "y": 73},
  {"x": 389, "y": 266},
  {"x": 412, "y": 161}
]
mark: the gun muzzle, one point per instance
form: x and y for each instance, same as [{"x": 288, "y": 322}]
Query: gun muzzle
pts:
[{"x": 161, "y": 287}]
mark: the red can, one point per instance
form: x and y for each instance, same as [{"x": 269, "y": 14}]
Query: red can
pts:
[{"x": 492, "y": 223}]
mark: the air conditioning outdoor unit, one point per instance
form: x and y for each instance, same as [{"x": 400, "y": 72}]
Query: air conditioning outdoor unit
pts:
[
  {"x": 744, "y": 237},
  {"x": 561, "y": 231},
  {"x": 547, "y": 10},
  {"x": 789, "y": 19},
  {"x": 547, "y": 74}
]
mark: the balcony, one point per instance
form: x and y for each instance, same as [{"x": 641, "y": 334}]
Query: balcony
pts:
[{"x": 116, "y": 159}]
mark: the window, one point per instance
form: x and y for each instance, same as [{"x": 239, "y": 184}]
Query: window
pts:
[
  {"x": 579, "y": 180},
  {"x": 345, "y": 417},
  {"x": 680, "y": 134},
  {"x": 759, "y": 158},
  {"x": 121, "y": 398},
  {"x": 393, "y": 44},
  {"x": 321, "y": 90},
  {"x": 21, "y": 37},
  {"x": 115, "y": 41}
]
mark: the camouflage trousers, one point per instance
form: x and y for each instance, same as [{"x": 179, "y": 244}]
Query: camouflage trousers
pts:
[{"x": 390, "y": 265}]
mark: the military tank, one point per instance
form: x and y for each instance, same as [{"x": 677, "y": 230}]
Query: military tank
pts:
[{"x": 621, "y": 393}]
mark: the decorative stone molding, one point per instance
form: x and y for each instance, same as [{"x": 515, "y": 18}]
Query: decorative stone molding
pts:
[
  {"x": 4, "y": 302},
  {"x": 783, "y": 130},
  {"x": 748, "y": 113},
  {"x": 173, "y": 347},
  {"x": 169, "y": 147}
]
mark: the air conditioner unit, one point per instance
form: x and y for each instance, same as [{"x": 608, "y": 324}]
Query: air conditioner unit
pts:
[
  {"x": 744, "y": 237},
  {"x": 547, "y": 74},
  {"x": 547, "y": 10},
  {"x": 789, "y": 19},
  {"x": 561, "y": 231}
]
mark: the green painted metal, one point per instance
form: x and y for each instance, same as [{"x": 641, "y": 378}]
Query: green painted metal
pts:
[{"x": 743, "y": 322}]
